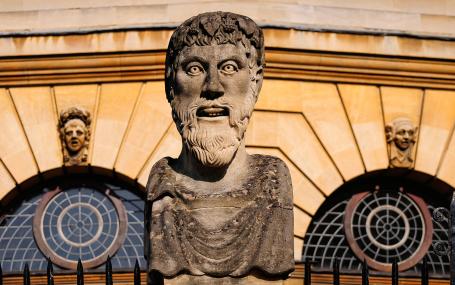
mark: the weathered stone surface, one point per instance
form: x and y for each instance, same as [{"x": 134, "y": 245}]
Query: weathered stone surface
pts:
[
  {"x": 224, "y": 232},
  {"x": 414, "y": 17},
  {"x": 216, "y": 215},
  {"x": 206, "y": 280},
  {"x": 74, "y": 126},
  {"x": 401, "y": 137}
]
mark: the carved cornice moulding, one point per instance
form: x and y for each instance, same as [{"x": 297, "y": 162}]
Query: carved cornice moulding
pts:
[
  {"x": 357, "y": 68},
  {"x": 82, "y": 68},
  {"x": 137, "y": 55},
  {"x": 143, "y": 40},
  {"x": 281, "y": 63}
]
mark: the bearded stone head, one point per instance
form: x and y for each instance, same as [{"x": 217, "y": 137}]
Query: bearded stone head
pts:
[{"x": 214, "y": 72}]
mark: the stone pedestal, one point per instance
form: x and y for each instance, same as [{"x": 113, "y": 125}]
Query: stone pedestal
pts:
[{"x": 207, "y": 280}]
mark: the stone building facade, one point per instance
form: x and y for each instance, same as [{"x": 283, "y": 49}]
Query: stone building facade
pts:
[{"x": 341, "y": 78}]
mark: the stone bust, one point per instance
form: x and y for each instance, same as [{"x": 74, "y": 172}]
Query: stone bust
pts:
[
  {"x": 401, "y": 136},
  {"x": 74, "y": 126},
  {"x": 216, "y": 211}
]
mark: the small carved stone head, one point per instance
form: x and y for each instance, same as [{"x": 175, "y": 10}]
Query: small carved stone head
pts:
[
  {"x": 401, "y": 136},
  {"x": 214, "y": 72},
  {"x": 74, "y": 126}
]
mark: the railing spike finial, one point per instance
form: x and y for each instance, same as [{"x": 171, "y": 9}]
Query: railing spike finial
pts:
[
  {"x": 1, "y": 275},
  {"x": 137, "y": 273},
  {"x": 452, "y": 240},
  {"x": 109, "y": 280},
  {"x": 336, "y": 272},
  {"x": 26, "y": 275},
  {"x": 365, "y": 273},
  {"x": 79, "y": 273},
  {"x": 307, "y": 280},
  {"x": 424, "y": 271},
  {"x": 50, "y": 272},
  {"x": 395, "y": 272}
]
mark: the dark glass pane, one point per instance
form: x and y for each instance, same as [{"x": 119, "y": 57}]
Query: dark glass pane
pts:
[{"x": 73, "y": 229}]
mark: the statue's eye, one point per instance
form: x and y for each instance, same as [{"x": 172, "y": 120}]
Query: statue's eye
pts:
[
  {"x": 194, "y": 69},
  {"x": 229, "y": 67}
]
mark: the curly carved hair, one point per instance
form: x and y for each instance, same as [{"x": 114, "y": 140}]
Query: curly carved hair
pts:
[
  {"x": 74, "y": 113},
  {"x": 212, "y": 27}
]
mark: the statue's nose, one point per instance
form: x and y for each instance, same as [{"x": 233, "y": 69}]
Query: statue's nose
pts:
[{"x": 212, "y": 88}]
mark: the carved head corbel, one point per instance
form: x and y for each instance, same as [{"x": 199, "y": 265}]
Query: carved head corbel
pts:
[
  {"x": 401, "y": 135},
  {"x": 74, "y": 128}
]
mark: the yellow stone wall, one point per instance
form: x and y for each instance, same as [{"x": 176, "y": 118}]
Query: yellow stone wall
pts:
[
  {"x": 324, "y": 104},
  {"x": 326, "y": 132},
  {"x": 422, "y": 17}
]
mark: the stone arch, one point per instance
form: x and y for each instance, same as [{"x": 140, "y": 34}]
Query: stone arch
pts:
[
  {"x": 327, "y": 236},
  {"x": 112, "y": 200},
  {"x": 328, "y": 133}
]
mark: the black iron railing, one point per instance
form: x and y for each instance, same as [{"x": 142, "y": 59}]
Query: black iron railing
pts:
[
  {"x": 365, "y": 273},
  {"x": 79, "y": 273},
  {"x": 137, "y": 273}
]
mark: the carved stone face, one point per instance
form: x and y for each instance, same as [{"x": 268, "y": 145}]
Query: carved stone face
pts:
[
  {"x": 214, "y": 95},
  {"x": 404, "y": 135},
  {"x": 75, "y": 135}
]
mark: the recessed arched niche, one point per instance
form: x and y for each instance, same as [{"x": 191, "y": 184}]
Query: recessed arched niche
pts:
[{"x": 379, "y": 217}]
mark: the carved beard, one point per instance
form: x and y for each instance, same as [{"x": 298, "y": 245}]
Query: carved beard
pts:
[{"x": 212, "y": 146}]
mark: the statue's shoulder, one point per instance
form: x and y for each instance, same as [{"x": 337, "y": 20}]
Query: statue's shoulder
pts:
[
  {"x": 161, "y": 165},
  {"x": 270, "y": 162},
  {"x": 276, "y": 176},
  {"x": 160, "y": 178}
]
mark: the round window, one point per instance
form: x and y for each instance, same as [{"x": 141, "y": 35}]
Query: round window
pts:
[
  {"x": 79, "y": 222},
  {"x": 383, "y": 226}
]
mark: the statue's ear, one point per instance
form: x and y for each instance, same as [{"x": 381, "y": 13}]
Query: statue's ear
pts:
[
  {"x": 389, "y": 133},
  {"x": 259, "y": 76},
  {"x": 256, "y": 69}
]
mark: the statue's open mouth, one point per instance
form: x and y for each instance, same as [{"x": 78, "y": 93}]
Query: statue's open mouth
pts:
[{"x": 212, "y": 111}]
